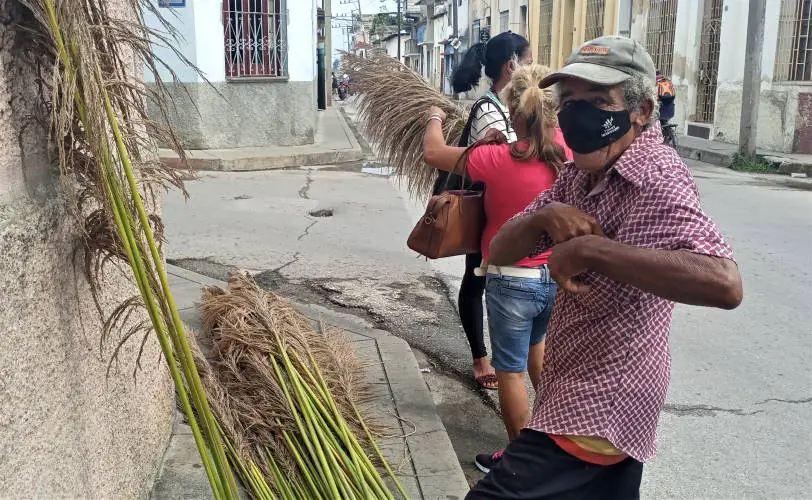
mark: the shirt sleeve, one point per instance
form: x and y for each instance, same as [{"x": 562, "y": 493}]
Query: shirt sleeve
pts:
[{"x": 668, "y": 216}]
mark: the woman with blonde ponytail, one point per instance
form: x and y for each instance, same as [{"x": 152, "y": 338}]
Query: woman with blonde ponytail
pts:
[{"x": 519, "y": 298}]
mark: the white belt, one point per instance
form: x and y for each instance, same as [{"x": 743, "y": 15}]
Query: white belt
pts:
[{"x": 513, "y": 272}]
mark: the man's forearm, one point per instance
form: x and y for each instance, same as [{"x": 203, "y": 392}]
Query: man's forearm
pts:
[
  {"x": 515, "y": 240},
  {"x": 677, "y": 275}
]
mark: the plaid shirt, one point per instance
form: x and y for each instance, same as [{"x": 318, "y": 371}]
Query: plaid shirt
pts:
[{"x": 607, "y": 363}]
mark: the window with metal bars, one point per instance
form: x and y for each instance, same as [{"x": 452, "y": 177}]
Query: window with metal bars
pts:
[
  {"x": 708, "y": 74},
  {"x": 475, "y": 32},
  {"x": 662, "y": 22},
  {"x": 794, "y": 55},
  {"x": 545, "y": 32},
  {"x": 504, "y": 21},
  {"x": 255, "y": 38},
  {"x": 594, "y": 19}
]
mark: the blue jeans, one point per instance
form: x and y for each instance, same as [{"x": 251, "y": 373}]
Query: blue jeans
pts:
[{"x": 519, "y": 310}]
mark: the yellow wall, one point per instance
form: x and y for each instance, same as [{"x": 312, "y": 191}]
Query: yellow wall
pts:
[{"x": 569, "y": 21}]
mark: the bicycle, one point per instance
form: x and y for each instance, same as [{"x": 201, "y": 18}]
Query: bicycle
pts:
[{"x": 669, "y": 133}]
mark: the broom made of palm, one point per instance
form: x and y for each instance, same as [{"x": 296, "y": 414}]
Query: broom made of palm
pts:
[
  {"x": 287, "y": 397},
  {"x": 392, "y": 105}
]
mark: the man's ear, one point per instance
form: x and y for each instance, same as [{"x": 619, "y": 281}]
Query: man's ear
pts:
[{"x": 641, "y": 118}]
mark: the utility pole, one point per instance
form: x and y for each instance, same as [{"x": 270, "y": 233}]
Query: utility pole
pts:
[
  {"x": 399, "y": 30},
  {"x": 751, "y": 85}
]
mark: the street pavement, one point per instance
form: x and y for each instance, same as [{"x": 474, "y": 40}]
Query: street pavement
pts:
[{"x": 740, "y": 405}]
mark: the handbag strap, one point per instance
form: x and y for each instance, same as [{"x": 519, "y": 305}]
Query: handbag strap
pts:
[{"x": 466, "y": 134}]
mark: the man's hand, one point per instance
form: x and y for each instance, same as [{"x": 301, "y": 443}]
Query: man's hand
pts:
[
  {"x": 564, "y": 222},
  {"x": 567, "y": 262}
]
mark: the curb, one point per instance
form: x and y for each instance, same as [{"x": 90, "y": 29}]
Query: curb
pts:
[
  {"x": 254, "y": 159},
  {"x": 782, "y": 164},
  {"x": 712, "y": 157}
]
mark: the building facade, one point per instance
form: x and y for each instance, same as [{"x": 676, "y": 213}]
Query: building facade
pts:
[
  {"x": 259, "y": 83},
  {"x": 557, "y": 27},
  {"x": 701, "y": 44}
]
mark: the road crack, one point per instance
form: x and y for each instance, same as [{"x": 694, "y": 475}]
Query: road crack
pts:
[
  {"x": 705, "y": 411},
  {"x": 304, "y": 192},
  {"x": 294, "y": 260},
  {"x": 787, "y": 401},
  {"x": 306, "y": 231}
]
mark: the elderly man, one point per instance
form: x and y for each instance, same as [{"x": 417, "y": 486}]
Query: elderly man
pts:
[{"x": 629, "y": 239}]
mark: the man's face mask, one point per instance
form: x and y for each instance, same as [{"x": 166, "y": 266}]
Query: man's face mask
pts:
[{"x": 588, "y": 128}]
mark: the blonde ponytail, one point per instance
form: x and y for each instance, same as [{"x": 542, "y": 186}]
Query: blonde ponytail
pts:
[{"x": 534, "y": 109}]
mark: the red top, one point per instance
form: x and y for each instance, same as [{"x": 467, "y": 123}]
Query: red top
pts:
[
  {"x": 510, "y": 185},
  {"x": 606, "y": 361}
]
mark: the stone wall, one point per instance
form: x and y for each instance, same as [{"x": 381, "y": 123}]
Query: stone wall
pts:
[
  {"x": 227, "y": 115},
  {"x": 66, "y": 428}
]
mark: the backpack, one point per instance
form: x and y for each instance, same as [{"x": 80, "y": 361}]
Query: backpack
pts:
[
  {"x": 447, "y": 181},
  {"x": 665, "y": 90}
]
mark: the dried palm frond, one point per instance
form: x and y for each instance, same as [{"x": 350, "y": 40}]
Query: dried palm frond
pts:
[
  {"x": 286, "y": 396},
  {"x": 392, "y": 105}
]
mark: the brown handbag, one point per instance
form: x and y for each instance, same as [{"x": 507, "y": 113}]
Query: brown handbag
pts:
[{"x": 452, "y": 225}]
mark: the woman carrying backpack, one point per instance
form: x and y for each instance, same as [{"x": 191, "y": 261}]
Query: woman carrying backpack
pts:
[
  {"x": 519, "y": 297},
  {"x": 499, "y": 57}
]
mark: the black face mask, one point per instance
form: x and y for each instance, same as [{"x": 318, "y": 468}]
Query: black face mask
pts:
[{"x": 587, "y": 128}]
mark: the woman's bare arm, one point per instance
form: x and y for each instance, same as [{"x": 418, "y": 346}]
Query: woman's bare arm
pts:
[{"x": 437, "y": 153}]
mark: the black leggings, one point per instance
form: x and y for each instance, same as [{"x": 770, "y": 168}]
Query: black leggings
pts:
[{"x": 470, "y": 305}]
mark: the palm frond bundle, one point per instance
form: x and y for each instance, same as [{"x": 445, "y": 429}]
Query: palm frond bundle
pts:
[
  {"x": 392, "y": 105},
  {"x": 287, "y": 397},
  {"x": 104, "y": 143},
  {"x": 94, "y": 52}
]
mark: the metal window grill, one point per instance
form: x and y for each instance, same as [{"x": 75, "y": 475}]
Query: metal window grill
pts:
[
  {"x": 255, "y": 38},
  {"x": 662, "y": 21},
  {"x": 794, "y": 54},
  {"x": 504, "y": 21},
  {"x": 594, "y": 19},
  {"x": 709, "y": 61},
  {"x": 476, "y": 34},
  {"x": 545, "y": 32}
]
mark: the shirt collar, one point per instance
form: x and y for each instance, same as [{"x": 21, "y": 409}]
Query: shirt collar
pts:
[{"x": 632, "y": 164}]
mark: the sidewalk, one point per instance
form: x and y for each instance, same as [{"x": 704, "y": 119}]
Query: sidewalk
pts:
[
  {"x": 722, "y": 154},
  {"x": 419, "y": 449},
  {"x": 334, "y": 143}
]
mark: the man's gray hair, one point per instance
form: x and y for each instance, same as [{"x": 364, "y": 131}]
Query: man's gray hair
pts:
[{"x": 636, "y": 91}]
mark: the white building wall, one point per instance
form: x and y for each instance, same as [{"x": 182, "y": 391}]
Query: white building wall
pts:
[
  {"x": 226, "y": 113},
  {"x": 391, "y": 47},
  {"x": 778, "y": 106},
  {"x": 200, "y": 24}
]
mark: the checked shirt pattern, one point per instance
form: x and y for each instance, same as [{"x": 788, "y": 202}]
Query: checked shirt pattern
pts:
[{"x": 607, "y": 361}]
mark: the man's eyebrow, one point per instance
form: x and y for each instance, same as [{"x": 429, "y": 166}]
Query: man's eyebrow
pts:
[
  {"x": 601, "y": 89},
  {"x": 565, "y": 93}
]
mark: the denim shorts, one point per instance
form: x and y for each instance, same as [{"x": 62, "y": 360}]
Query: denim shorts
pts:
[{"x": 519, "y": 310}]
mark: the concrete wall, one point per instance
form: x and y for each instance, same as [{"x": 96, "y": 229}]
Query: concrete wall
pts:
[
  {"x": 779, "y": 102},
  {"x": 231, "y": 113},
  {"x": 68, "y": 431},
  {"x": 778, "y": 108}
]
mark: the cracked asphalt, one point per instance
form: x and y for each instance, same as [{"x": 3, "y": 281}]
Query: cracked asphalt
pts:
[{"x": 737, "y": 422}]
